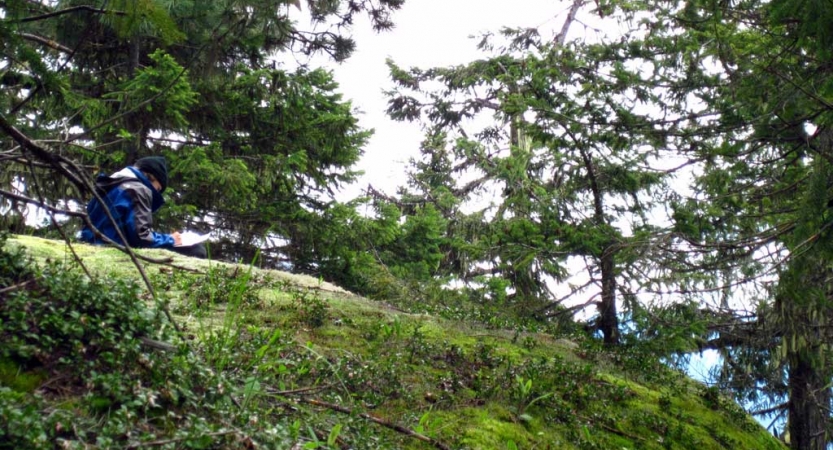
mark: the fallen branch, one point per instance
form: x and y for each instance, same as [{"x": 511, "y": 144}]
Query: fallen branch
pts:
[
  {"x": 159, "y": 345},
  {"x": 15, "y": 287},
  {"x": 404, "y": 430},
  {"x": 298, "y": 391}
]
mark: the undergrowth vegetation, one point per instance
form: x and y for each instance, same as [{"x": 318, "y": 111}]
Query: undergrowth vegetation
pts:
[
  {"x": 99, "y": 384},
  {"x": 257, "y": 361}
]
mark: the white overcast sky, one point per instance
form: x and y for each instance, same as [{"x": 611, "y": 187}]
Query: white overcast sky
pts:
[{"x": 428, "y": 33}]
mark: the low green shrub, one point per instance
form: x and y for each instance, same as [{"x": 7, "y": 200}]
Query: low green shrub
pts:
[{"x": 86, "y": 337}]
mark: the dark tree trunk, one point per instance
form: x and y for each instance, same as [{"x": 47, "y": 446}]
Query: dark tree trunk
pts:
[
  {"x": 609, "y": 322},
  {"x": 809, "y": 405}
]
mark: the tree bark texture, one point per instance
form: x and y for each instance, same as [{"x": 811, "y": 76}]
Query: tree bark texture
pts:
[{"x": 809, "y": 405}]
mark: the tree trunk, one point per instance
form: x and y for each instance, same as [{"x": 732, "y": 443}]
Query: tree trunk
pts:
[
  {"x": 808, "y": 406},
  {"x": 608, "y": 322}
]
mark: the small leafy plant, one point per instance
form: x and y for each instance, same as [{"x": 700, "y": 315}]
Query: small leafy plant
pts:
[
  {"x": 525, "y": 397},
  {"x": 313, "y": 310}
]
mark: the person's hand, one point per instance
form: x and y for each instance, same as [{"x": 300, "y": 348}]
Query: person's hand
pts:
[{"x": 177, "y": 238}]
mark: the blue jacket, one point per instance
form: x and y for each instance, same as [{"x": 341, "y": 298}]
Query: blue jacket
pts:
[{"x": 132, "y": 200}]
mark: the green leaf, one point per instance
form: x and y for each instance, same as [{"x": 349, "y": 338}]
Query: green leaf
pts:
[{"x": 333, "y": 437}]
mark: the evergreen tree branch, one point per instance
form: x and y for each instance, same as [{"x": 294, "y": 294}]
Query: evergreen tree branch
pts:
[
  {"x": 73, "y": 9},
  {"x": 161, "y": 92},
  {"x": 741, "y": 333},
  {"x": 573, "y": 291},
  {"x": 70, "y": 56},
  {"x": 766, "y": 411}
]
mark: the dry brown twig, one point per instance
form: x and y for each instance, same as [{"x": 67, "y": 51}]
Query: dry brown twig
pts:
[
  {"x": 399, "y": 428},
  {"x": 15, "y": 287}
]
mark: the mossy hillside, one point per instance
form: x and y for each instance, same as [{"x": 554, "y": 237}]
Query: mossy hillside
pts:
[{"x": 292, "y": 345}]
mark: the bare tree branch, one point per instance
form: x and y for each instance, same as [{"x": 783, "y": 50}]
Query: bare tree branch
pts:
[
  {"x": 561, "y": 37},
  {"x": 45, "y": 41}
]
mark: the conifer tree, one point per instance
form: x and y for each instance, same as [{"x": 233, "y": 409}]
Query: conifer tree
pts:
[
  {"x": 736, "y": 96},
  {"x": 751, "y": 82},
  {"x": 565, "y": 152},
  {"x": 256, "y": 151}
]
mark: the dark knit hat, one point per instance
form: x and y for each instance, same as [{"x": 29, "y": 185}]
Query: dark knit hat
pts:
[{"x": 156, "y": 166}]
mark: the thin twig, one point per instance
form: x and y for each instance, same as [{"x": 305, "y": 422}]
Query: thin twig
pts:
[
  {"x": 71, "y": 10},
  {"x": 39, "y": 204},
  {"x": 55, "y": 223},
  {"x": 52, "y": 381},
  {"x": 300, "y": 390},
  {"x": 70, "y": 246},
  {"x": 15, "y": 287},
  {"x": 762, "y": 412},
  {"x": 572, "y": 292},
  {"x": 404, "y": 430},
  {"x": 45, "y": 41}
]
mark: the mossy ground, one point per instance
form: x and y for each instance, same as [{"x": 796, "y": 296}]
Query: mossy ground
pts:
[{"x": 457, "y": 382}]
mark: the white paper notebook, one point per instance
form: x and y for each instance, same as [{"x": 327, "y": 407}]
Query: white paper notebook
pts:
[{"x": 190, "y": 238}]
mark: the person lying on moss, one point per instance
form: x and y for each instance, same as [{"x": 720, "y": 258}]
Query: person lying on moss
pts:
[{"x": 132, "y": 195}]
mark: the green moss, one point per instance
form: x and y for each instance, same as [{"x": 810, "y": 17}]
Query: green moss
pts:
[
  {"x": 493, "y": 426},
  {"x": 464, "y": 375},
  {"x": 14, "y": 377}
]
